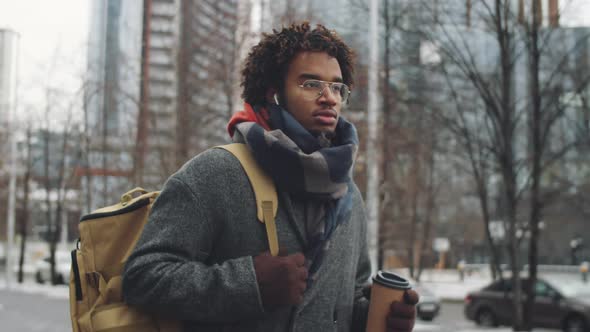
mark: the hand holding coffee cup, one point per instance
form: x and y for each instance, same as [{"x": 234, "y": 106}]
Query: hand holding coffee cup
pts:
[
  {"x": 392, "y": 305},
  {"x": 402, "y": 315}
]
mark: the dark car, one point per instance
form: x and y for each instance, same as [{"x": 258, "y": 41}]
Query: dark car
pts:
[
  {"x": 429, "y": 305},
  {"x": 559, "y": 304}
]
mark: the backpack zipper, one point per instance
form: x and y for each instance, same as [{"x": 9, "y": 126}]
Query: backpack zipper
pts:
[
  {"x": 76, "y": 271},
  {"x": 137, "y": 205}
]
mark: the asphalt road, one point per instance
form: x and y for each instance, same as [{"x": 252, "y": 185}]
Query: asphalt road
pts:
[
  {"x": 21, "y": 311},
  {"x": 32, "y": 312},
  {"x": 24, "y": 312}
]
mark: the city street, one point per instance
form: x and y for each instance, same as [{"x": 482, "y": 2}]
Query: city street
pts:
[
  {"x": 32, "y": 307},
  {"x": 45, "y": 309},
  {"x": 30, "y": 312}
]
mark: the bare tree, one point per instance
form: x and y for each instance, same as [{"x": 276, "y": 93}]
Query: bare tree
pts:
[
  {"x": 545, "y": 112},
  {"x": 25, "y": 216},
  {"x": 58, "y": 104},
  {"x": 55, "y": 183},
  {"x": 494, "y": 127},
  {"x": 478, "y": 155},
  {"x": 289, "y": 12},
  {"x": 499, "y": 108},
  {"x": 408, "y": 172}
]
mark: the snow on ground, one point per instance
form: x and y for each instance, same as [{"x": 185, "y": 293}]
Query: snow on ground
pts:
[
  {"x": 456, "y": 291},
  {"x": 447, "y": 285},
  {"x": 30, "y": 287}
]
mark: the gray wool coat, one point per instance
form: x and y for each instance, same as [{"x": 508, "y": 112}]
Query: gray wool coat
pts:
[{"x": 194, "y": 259}]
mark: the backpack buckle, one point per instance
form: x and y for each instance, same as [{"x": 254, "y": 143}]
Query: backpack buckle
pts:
[{"x": 128, "y": 196}]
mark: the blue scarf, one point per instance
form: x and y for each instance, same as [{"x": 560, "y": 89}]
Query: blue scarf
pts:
[{"x": 306, "y": 166}]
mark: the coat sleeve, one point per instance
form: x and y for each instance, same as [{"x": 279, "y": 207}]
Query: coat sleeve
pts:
[
  {"x": 168, "y": 272},
  {"x": 363, "y": 274}
]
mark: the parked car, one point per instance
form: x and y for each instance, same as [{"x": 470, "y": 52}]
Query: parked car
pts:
[
  {"x": 429, "y": 305},
  {"x": 558, "y": 304},
  {"x": 63, "y": 262}
]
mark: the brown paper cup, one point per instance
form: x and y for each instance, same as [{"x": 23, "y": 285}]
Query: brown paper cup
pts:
[{"x": 387, "y": 287}]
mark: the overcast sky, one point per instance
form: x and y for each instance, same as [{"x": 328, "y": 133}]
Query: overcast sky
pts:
[
  {"x": 575, "y": 12},
  {"x": 52, "y": 45}
]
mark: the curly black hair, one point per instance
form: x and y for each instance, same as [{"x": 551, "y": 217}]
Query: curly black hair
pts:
[{"x": 267, "y": 63}]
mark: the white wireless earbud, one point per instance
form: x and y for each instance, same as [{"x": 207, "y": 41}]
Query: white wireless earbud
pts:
[{"x": 276, "y": 99}]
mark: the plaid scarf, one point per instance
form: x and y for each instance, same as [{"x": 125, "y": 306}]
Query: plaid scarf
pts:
[{"x": 309, "y": 167}]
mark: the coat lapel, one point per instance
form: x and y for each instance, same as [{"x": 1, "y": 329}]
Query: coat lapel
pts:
[{"x": 298, "y": 224}]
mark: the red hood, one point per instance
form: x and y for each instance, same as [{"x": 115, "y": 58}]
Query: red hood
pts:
[{"x": 248, "y": 115}]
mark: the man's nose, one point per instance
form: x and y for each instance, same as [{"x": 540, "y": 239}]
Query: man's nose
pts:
[{"x": 327, "y": 96}]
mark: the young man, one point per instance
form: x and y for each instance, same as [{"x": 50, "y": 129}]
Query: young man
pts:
[{"x": 203, "y": 256}]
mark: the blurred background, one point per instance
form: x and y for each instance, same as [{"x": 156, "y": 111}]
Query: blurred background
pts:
[{"x": 479, "y": 148}]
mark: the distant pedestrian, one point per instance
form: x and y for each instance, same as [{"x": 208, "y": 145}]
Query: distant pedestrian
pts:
[{"x": 461, "y": 269}]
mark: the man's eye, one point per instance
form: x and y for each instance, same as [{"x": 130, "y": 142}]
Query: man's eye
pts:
[
  {"x": 312, "y": 84},
  {"x": 336, "y": 87}
]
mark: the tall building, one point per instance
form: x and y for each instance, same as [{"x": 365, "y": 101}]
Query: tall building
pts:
[
  {"x": 154, "y": 153},
  {"x": 188, "y": 67},
  {"x": 164, "y": 73},
  {"x": 111, "y": 100}
]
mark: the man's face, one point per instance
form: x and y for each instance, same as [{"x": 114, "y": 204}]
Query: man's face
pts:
[{"x": 321, "y": 113}]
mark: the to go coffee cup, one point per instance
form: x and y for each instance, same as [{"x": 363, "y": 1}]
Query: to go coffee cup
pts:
[{"x": 387, "y": 287}]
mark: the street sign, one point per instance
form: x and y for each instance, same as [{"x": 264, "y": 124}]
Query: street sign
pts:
[
  {"x": 441, "y": 244},
  {"x": 497, "y": 230}
]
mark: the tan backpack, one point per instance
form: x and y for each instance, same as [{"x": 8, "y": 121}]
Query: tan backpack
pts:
[{"x": 107, "y": 237}]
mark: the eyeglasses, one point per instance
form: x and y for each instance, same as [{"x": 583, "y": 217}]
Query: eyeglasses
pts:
[{"x": 313, "y": 89}]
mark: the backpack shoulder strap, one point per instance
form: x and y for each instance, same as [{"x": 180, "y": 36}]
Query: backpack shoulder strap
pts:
[{"x": 264, "y": 191}]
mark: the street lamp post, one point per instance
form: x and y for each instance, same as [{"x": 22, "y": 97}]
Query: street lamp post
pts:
[
  {"x": 371, "y": 160},
  {"x": 10, "y": 47}
]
